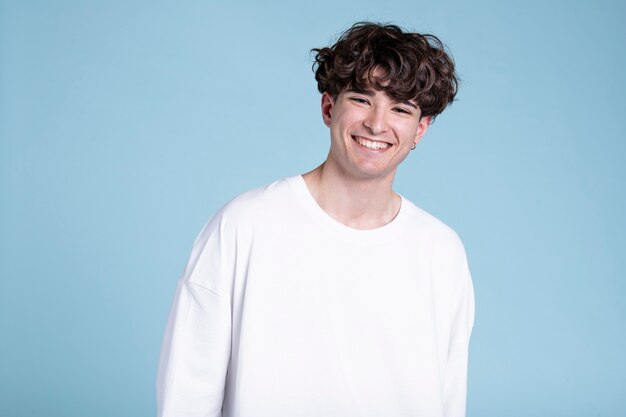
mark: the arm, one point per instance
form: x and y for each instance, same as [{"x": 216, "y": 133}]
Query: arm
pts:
[
  {"x": 455, "y": 389},
  {"x": 196, "y": 347}
]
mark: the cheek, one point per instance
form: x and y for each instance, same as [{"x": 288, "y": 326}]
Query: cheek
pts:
[
  {"x": 408, "y": 132},
  {"x": 344, "y": 118}
]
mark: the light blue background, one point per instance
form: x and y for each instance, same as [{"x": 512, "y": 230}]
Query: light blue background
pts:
[{"x": 125, "y": 125}]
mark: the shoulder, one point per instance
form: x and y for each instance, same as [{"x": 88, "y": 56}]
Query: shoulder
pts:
[
  {"x": 440, "y": 247},
  {"x": 433, "y": 232},
  {"x": 257, "y": 201},
  {"x": 251, "y": 206},
  {"x": 233, "y": 227}
]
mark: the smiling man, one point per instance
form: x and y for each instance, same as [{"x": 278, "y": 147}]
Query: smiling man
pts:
[{"x": 328, "y": 294}]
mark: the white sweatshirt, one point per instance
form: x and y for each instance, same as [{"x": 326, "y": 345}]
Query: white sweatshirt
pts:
[{"x": 284, "y": 312}]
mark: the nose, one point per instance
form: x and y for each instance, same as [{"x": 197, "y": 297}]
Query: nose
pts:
[{"x": 376, "y": 121}]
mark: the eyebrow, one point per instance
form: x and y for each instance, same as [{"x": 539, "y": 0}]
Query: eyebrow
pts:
[{"x": 409, "y": 103}]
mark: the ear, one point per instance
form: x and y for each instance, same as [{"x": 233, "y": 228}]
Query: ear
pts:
[
  {"x": 422, "y": 127},
  {"x": 327, "y": 108}
]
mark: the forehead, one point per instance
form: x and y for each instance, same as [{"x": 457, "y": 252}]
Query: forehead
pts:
[{"x": 376, "y": 79}]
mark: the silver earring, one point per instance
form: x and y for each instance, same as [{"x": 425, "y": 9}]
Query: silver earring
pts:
[{"x": 414, "y": 146}]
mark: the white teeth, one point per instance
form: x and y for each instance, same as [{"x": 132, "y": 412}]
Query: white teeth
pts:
[{"x": 371, "y": 144}]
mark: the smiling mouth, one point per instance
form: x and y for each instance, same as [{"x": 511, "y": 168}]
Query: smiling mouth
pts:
[{"x": 370, "y": 144}]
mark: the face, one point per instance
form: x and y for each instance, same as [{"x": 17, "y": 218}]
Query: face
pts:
[{"x": 371, "y": 133}]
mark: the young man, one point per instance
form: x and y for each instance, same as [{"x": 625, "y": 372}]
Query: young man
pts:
[{"x": 328, "y": 294}]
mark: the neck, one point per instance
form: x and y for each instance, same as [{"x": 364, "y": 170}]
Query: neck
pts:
[{"x": 357, "y": 203}]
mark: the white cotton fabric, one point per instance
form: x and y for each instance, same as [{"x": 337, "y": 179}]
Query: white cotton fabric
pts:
[{"x": 284, "y": 312}]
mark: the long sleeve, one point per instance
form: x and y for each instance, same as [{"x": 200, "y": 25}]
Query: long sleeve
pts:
[
  {"x": 455, "y": 389},
  {"x": 196, "y": 347}
]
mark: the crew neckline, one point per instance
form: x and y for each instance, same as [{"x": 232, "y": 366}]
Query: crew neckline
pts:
[{"x": 361, "y": 236}]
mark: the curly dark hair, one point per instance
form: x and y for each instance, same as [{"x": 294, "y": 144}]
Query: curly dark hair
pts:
[{"x": 406, "y": 66}]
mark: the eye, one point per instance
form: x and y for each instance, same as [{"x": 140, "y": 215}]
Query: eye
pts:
[
  {"x": 359, "y": 100},
  {"x": 403, "y": 110}
]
